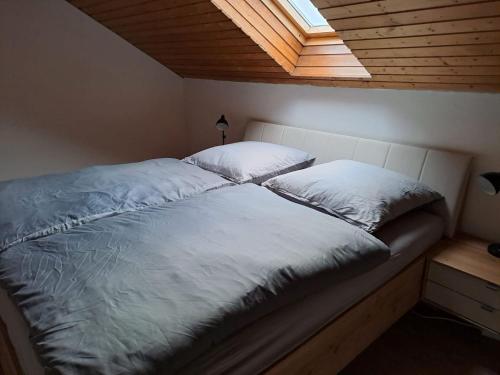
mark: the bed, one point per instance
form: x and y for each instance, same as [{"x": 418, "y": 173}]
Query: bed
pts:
[{"x": 391, "y": 274}]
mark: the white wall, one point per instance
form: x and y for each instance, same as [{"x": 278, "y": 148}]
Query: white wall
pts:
[
  {"x": 467, "y": 122},
  {"x": 72, "y": 93}
]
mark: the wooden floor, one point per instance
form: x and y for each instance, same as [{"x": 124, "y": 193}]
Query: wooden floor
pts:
[{"x": 415, "y": 345}]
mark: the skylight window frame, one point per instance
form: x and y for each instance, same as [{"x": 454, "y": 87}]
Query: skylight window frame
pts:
[
  {"x": 298, "y": 19},
  {"x": 301, "y": 55}
]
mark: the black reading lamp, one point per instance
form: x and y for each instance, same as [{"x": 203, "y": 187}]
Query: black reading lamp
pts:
[
  {"x": 222, "y": 125},
  {"x": 490, "y": 184}
]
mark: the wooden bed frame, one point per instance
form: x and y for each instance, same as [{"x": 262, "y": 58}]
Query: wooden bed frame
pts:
[
  {"x": 334, "y": 346},
  {"x": 331, "y": 349},
  {"x": 8, "y": 359}
]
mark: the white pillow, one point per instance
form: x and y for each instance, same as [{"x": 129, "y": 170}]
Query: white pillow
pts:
[
  {"x": 251, "y": 161},
  {"x": 361, "y": 194}
]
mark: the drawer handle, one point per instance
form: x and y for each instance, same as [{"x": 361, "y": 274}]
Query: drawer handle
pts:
[
  {"x": 493, "y": 287},
  {"x": 487, "y": 308}
]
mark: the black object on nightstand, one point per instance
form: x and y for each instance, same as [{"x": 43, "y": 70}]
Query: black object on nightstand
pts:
[
  {"x": 490, "y": 184},
  {"x": 494, "y": 249}
]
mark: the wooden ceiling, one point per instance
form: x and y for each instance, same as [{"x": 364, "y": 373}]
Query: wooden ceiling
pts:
[{"x": 404, "y": 44}]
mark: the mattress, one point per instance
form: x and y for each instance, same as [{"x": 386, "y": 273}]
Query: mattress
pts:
[{"x": 261, "y": 343}]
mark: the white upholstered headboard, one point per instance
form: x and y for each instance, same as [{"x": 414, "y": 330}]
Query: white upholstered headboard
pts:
[{"x": 446, "y": 172}]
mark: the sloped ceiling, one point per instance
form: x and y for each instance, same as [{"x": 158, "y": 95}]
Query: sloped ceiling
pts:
[{"x": 407, "y": 44}]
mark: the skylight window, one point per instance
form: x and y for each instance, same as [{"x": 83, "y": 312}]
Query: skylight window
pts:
[
  {"x": 309, "y": 12},
  {"x": 305, "y": 15},
  {"x": 296, "y": 36}
]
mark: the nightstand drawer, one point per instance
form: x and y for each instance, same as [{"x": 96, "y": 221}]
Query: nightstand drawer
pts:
[
  {"x": 483, "y": 314},
  {"x": 465, "y": 284}
]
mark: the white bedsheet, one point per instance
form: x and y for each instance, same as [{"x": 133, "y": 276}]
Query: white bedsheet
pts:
[{"x": 259, "y": 345}]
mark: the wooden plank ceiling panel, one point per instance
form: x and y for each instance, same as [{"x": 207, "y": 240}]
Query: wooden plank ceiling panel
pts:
[{"x": 403, "y": 44}]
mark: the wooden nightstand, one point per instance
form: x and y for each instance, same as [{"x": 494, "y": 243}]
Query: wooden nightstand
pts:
[{"x": 464, "y": 279}]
